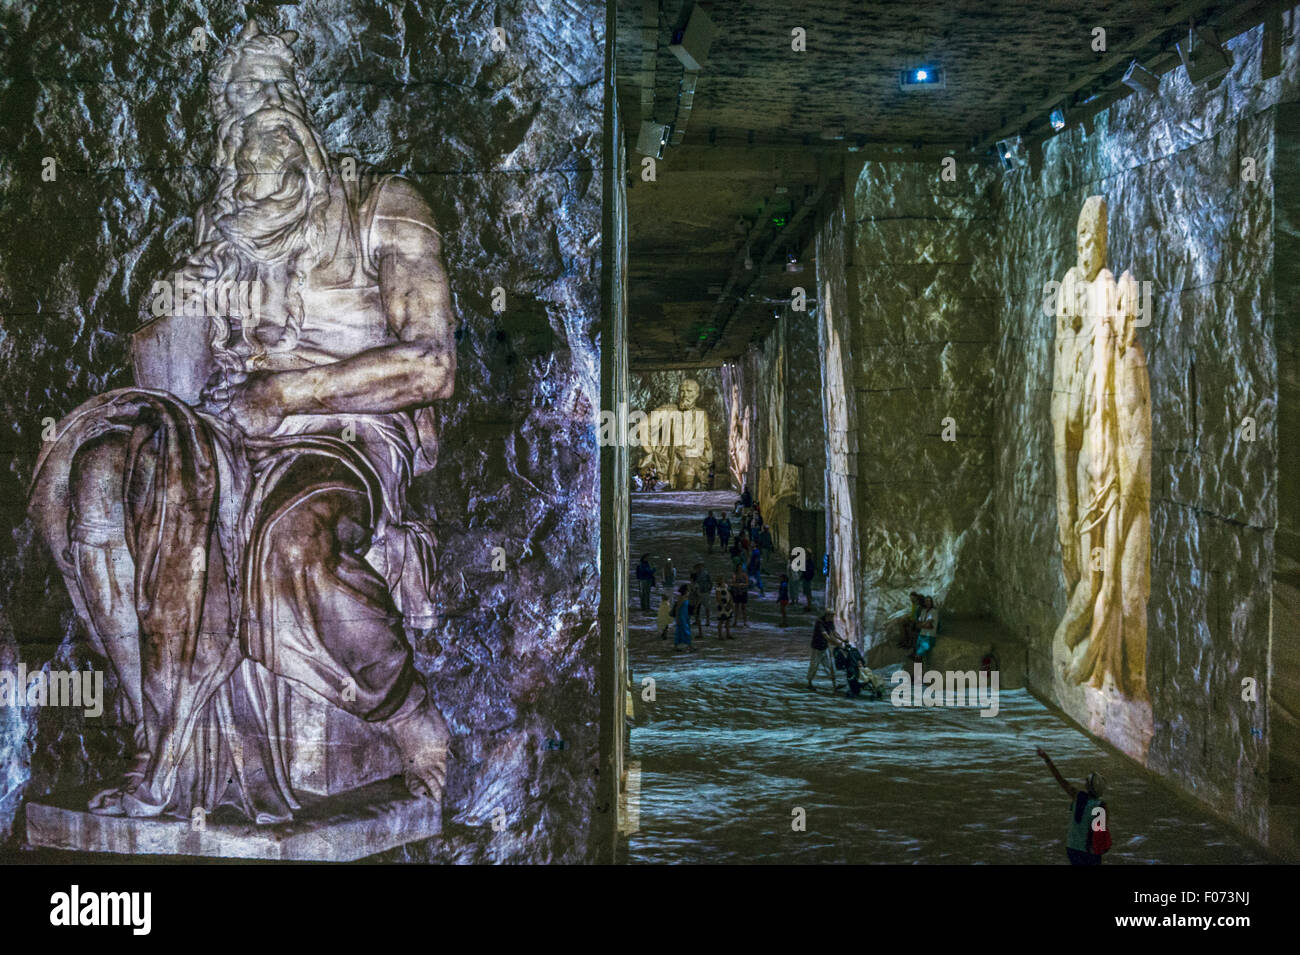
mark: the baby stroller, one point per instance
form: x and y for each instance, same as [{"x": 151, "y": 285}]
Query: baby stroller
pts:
[{"x": 856, "y": 672}]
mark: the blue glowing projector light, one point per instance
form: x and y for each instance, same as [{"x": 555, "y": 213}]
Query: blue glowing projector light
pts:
[{"x": 921, "y": 78}]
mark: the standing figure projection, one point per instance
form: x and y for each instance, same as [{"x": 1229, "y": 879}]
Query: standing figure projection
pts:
[
  {"x": 236, "y": 521},
  {"x": 1101, "y": 417},
  {"x": 679, "y": 446}
]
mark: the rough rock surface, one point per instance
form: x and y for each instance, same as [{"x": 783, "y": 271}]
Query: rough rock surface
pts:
[
  {"x": 835, "y": 335},
  {"x": 924, "y": 343},
  {"x": 1182, "y": 217},
  {"x": 937, "y": 293},
  {"x": 506, "y": 146}
]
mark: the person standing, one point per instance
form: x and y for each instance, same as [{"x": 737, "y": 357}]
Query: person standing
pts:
[
  {"x": 710, "y": 530},
  {"x": 693, "y": 595},
  {"x": 740, "y": 594},
  {"x": 806, "y": 580},
  {"x": 783, "y": 596},
  {"x": 645, "y": 578},
  {"x": 704, "y": 583},
  {"x": 823, "y": 638},
  {"x": 1089, "y": 834},
  {"x": 664, "y": 619},
  {"x": 682, "y": 611},
  {"x": 724, "y": 531},
  {"x": 726, "y": 610},
  {"x": 756, "y": 568}
]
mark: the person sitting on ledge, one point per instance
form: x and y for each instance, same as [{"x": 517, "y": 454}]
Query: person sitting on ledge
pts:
[
  {"x": 910, "y": 625},
  {"x": 927, "y": 626}
]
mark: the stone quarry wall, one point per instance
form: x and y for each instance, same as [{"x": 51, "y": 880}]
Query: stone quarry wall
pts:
[
  {"x": 740, "y": 393},
  {"x": 1284, "y": 665},
  {"x": 835, "y": 334},
  {"x": 506, "y": 146},
  {"x": 650, "y": 389},
  {"x": 1181, "y": 216},
  {"x": 925, "y": 305},
  {"x": 791, "y": 433}
]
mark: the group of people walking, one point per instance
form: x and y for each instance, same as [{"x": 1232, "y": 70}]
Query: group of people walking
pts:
[{"x": 690, "y": 607}]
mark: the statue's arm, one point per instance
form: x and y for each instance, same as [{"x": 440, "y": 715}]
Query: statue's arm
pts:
[
  {"x": 1063, "y": 403},
  {"x": 420, "y": 367}
]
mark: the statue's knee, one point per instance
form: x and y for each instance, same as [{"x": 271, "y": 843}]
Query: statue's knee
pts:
[
  {"x": 302, "y": 536},
  {"x": 95, "y": 491}
]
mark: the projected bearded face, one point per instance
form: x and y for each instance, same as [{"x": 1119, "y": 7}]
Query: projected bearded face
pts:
[
  {"x": 688, "y": 394},
  {"x": 280, "y": 174}
]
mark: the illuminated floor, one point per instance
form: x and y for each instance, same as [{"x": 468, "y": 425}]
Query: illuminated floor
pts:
[{"x": 734, "y": 742}]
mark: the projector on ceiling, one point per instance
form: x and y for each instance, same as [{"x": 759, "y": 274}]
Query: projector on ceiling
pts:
[
  {"x": 920, "y": 79},
  {"x": 1204, "y": 59},
  {"x": 691, "y": 43},
  {"x": 652, "y": 139}
]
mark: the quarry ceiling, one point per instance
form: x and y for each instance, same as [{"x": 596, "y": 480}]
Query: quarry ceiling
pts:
[{"x": 768, "y": 132}]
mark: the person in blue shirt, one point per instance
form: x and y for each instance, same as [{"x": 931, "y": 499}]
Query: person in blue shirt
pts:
[
  {"x": 756, "y": 568},
  {"x": 783, "y": 596},
  {"x": 682, "y": 611}
]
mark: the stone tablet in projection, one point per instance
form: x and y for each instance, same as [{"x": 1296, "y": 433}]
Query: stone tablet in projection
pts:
[
  {"x": 1101, "y": 418},
  {"x": 239, "y": 549}
]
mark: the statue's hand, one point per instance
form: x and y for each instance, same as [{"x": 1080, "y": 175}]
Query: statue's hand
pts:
[{"x": 253, "y": 407}]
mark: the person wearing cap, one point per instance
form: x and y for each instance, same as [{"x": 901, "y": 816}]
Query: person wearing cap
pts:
[
  {"x": 823, "y": 639},
  {"x": 1083, "y": 838}
]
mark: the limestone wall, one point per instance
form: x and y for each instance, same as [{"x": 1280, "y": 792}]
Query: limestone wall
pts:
[
  {"x": 1181, "y": 216},
  {"x": 925, "y": 342},
  {"x": 1284, "y": 664},
  {"x": 931, "y": 293},
  {"x": 506, "y": 147},
  {"x": 835, "y": 333}
]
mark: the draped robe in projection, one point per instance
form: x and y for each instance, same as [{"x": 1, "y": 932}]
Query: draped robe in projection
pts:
[
  {"x": 1101, "y": 416},
  {"x": 237, "y": 519},
  {"x": 679, "y": 442}
]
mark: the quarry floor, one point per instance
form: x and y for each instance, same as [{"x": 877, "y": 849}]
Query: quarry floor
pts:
[{"x": 734, "y": 743}]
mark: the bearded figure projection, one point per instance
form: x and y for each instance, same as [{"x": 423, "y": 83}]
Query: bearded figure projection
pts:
[
  {"x": 236, "y": 520},
  {"x": 679, "y": 444},
  {"x": 1101, "y": 416}
]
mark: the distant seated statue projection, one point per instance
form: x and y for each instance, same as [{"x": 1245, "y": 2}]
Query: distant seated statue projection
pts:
[
  {"x": 678, "y": 445},
  {"x": 1101, "y": 417}
]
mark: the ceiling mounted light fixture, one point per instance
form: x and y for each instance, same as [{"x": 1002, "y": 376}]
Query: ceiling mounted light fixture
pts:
[
  {"x": 652, "y": 139},
  {"x": 1207, "y": 62},
  {"x": 921, "y": 78},
  {"x": 1138, "y": 78},
  {"x": 1057, "y": 119},
  {"x": 1010, "y": 154},
  {"x": 691, "y": 43}
]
